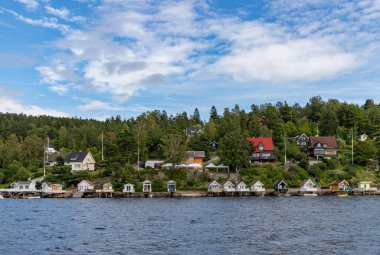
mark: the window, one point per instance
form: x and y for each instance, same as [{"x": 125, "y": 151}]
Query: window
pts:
[
  {"x": 77, "y": 165},
  {"x": 261, "y": 147}
]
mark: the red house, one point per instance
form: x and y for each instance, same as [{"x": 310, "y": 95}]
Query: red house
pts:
[{"x": 263, "y": 149}]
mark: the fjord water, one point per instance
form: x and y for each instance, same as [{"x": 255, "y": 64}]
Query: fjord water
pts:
[{"x": 241, "y": 225}]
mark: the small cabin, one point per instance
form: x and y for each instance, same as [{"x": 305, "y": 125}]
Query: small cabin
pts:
[
  {"x": 339, "y": 185},
  {"x": 107, "y": 187},
  {"x": 228, "y": 187},
  {"x": 24, "y": 185},
  {"x": 147, "y": 186},
  {"x": 86, "y": 185},
  {"x": 129, "y": 188},
  {"x": 242, "y": 187},
  {"x": 365, "y": 186},
  {"x": 214, "y": 187},
  {"x": 171, "y": 186},
  {"x": 51, "y": 187},
  {"x": 257, "y": 186},
  {"x": 308, "y": 186},
  {"x": 281, "y": 186}
]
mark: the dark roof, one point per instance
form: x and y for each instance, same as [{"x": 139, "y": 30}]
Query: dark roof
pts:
[
  {"x": 329, "y": 141},
  {"x": 193, "y": 130},
  {"x": 278, "y": 182},
  {"x": 267, "y": 143},
  {"x": 76, "y": 156},
  {"x": 376, "y": 133},
  {"x": 53, "y": 157}
]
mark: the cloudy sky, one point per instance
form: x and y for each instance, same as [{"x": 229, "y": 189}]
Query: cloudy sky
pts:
[{"x": 98, "y": 58}]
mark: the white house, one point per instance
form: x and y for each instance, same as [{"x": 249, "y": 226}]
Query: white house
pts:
[
  {"x": 257, "y": 186},
  {"x": 154, "y": 163},
  {"x": 24, "y": 185},
  {"x": 172, "y": 186},
  {"x": 86, "y": 185},
  {"x": 129, "y": 188},
  {"x": 228, "y": 187},
  {"x": 308, "y": 187},
  {"x": 51, "y": 187},
  {"x": 80, "y": 161},
  {"x": 242, "y": 187},
  {"x": 365, "y": 186},
  {"x": 362, "y": 138},
  {"x": 147, "y": 186},
  {"x": 214, "y": 187}
]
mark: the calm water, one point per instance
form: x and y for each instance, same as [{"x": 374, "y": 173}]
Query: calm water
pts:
[{"x": 250, "y": 225}]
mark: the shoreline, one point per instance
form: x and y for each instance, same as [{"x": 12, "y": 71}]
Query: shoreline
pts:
[{"x": 177, "y": 194}]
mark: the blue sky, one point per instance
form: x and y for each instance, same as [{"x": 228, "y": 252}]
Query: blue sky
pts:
[{"x": 98, "y": 58}]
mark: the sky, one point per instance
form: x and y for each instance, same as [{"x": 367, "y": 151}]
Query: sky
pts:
[{"x": 102, "y": 58}]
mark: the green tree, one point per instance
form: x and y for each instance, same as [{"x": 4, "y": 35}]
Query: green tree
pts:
[
  {"x": 234, "y": 150},
  {"x": 365, "y": 152},
  {"x": 174, "y": 148}
]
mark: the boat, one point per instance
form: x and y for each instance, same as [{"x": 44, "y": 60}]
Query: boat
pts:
[
  {"x": 34, "y": 197},
  {"x": 342, "y": 195}
]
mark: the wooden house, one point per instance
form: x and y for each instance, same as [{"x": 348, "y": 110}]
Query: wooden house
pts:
[
  {"x": 147, "y": 186},
  {"x": 263, "y": 149},
  {"x": 308, "y": 187},
  {"x": 257, "y": 186},
  {"x": 366, "y": 186},
  {"x": 24, "y": 185},
  {"x": 129, "y": 188},
  {"x": 339, "y": 185},
  {"x": 86, "y": 185},
  {"x": 51, "y": 187},
  {"x": 242, "y": 187},
  {"x": 80, "y": 161},
  {"x": 171, "y": 186},
  {"x": 302, "y": 140},
  {"x": 228, "y": 187},
  {"x": 195, "y": 157},
  {"x": 214, "y": 187},
  {"x": 323, "y": 146},
  {"x": 281, "y": 186},
  {"x": 107, "y": 187}
]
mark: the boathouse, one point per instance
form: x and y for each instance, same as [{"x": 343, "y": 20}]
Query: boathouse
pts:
[
  {"x": 365, "y": 186},
  {"x": 24, "y": 185},
  {"x": 242, "y": 187},
  {"x": 281, "y": 186},
  {"x": 171, "y": 186},
  {"x": 257, "y": 186},
  {"x": 147, "y": 186},
  {"x": 308, "y": 187},
  {"x": 51, "y": 187},
  {"x": 339, "y": 185},
  {"x": 129, "y": 188},
  {"x": 86, "y": 185},
  {"x": 228, "y": 187},
  {"x": 214, "y": 187}
]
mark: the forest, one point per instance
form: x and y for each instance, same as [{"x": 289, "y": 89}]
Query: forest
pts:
[{"x": 162, "y": 136}]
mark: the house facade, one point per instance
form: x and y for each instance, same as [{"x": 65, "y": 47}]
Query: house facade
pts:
[
  {"x": 171, "y": 185},
  {"x": 323, "y": 146},
  {"x": 257, "y": 186},
  {"x": 228, "y": 187},
  {"x": 195, "y": 157},
  {"x": 281, "y": 186},
  {"x": 51, "y": 187},
  {"x": 263, "y": 149},
  {"x": 24, "y": 185},
  {"x": 147, "y": 186},
  {"x": 242, "y": 187},
  {"x": 86, "y": 185},
  {"x": 339, "y": 185},
  {"x": 302, "y": 140},
  {"x": 214, "y": 187},
  {"x": 80, "y": 161},
  {"x": 308, "y": 186},
  {"x": 129, "y": 188}
]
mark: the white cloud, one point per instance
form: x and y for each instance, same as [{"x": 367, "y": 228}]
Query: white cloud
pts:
[
  {"x": 92, "y": 105},
  {"x": 62, "y": 13},
  {"x": 8, "y": 104},
  {"x": 59, "y": 89},
  {"x": 29, "y": 4}
]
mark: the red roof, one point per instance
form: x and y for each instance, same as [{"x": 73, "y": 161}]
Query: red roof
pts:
[{"x": 267, "y": 143}]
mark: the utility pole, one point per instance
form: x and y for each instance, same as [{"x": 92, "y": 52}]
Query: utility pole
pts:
[
  {"x": 102, "y": 146},
  {"x": 352, "y": 146},
  {"x": 285, "y": 150},
  {"x": 138, "y": 146}
]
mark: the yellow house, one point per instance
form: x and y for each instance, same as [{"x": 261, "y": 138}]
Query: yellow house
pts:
[
  {"x": 195, "y": 157},
  {"x": 339, "y": 185},
  {"x": 80, "y": 161}
]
